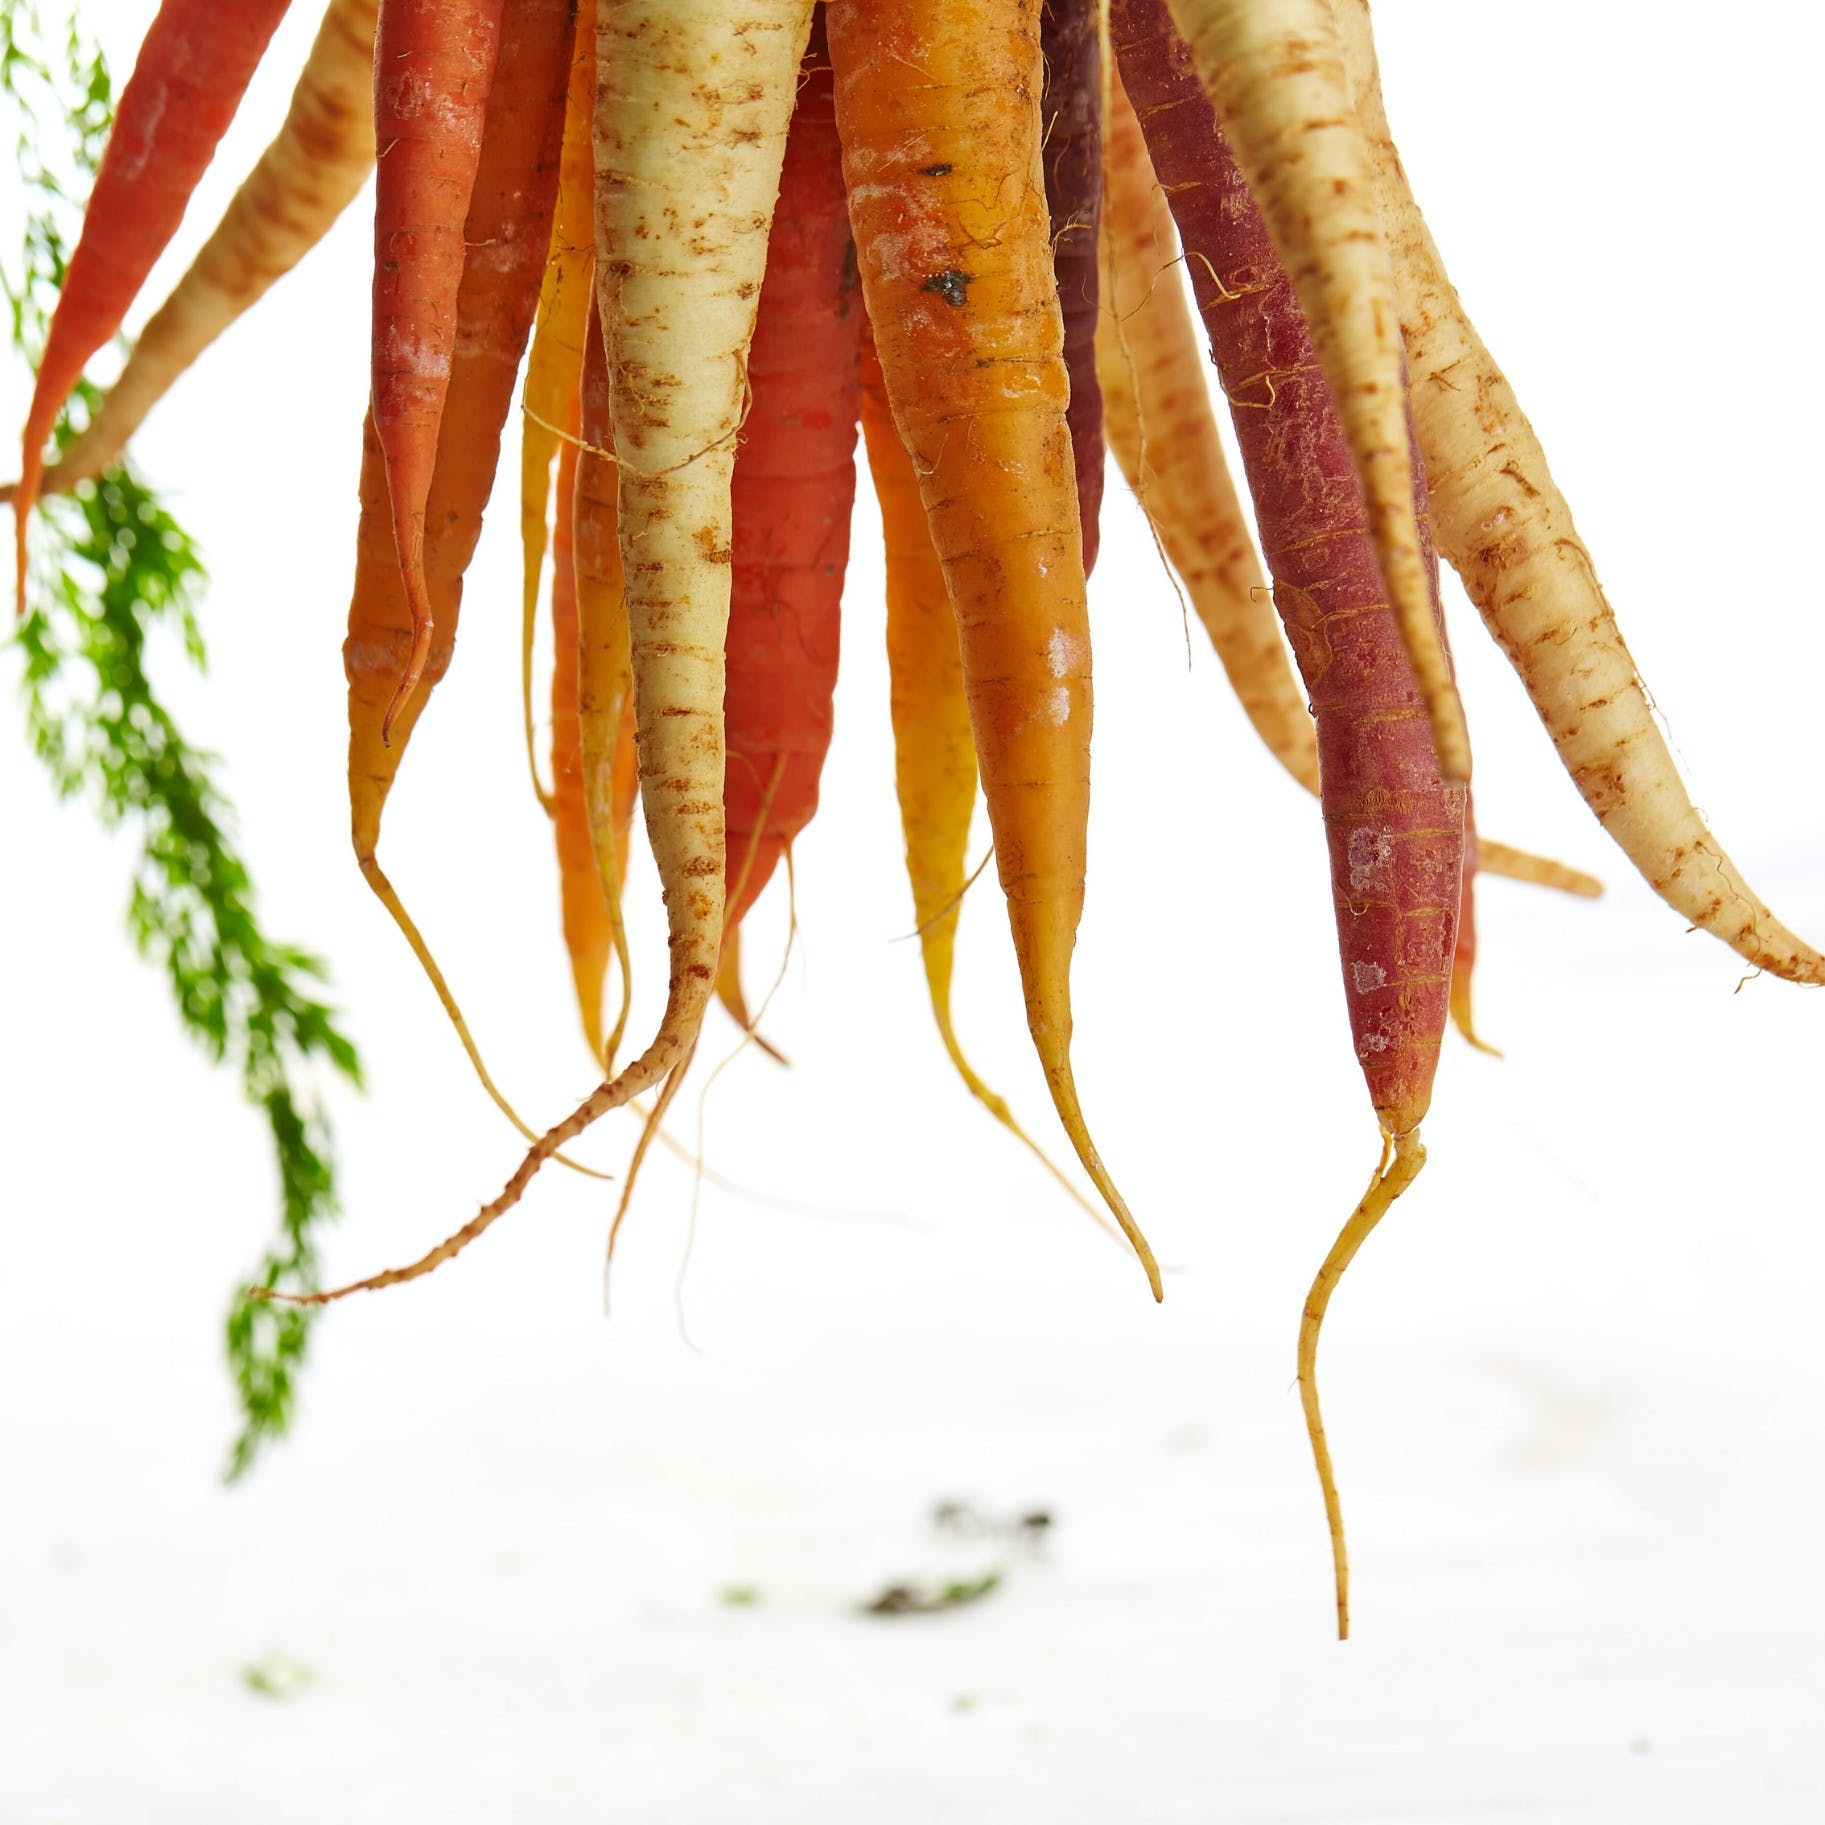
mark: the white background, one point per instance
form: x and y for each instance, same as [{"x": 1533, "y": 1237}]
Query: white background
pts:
[{"x": 1572, "y": 1383}]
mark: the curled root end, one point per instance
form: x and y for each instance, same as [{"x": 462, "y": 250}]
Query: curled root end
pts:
[{"x": 1390, "y": 1180}]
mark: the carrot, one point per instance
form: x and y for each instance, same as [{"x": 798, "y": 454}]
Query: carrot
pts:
[
  {"x": 693, "y": 101},
  {"x": 1395, "y": 825},
  {"x": 1274, "y": 72},
  {"x": 588, "y": 927},
  {"x": 434, "y": 63},
  {"x": 1165, "y": 437},
  {"x": 794, "y": 492},
  {"x": 1071, "y": 102},
  {"x": 605, "y": 680},
  {"x": 734, "y": 997},
  {"x": 192, "y": 70},
  {"x": 317, "y": 161},
  {"x": 1463, "y": 956},
  {"x": 1507, "y": 530},
  {"x": 558, "y": 341},
  {"x": 946, "y": 197},
  {"x": 934, "y": 751},
  {"x": 1164, "y": 434},
  {"x": 507, "y": 229}
]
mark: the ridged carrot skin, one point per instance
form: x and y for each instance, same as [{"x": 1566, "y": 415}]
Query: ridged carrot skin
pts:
[
  {"x": 946, "y": 197},
  {"x": 794, "y": 493},
  {"x": 1275, "y": 74},
  {"x": 1071, "y": 103},
  {"x": 507, "y": 231},
  {"x": 192, "y": 70},
  {"x": 605, "y": 678},
  {"x": 588, "y": 928},
  {"x": 556, "y": 361},
  {"x": 1156, "y": 408},
  {"x": 434, "y": 64},
  {"x": 693, "y": 102},
  {"x": 1507, "y": 529},
  {"x": 311, "y": 172},
  {"x": 1396, "y": 829}
]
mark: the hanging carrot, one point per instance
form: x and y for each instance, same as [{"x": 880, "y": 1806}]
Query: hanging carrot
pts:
[
  {"x": 693, "y": 102},
  {"x": 605, "y": 676},
  {"x": 556, "y": 362},
  {"x": 946, "y": 195},
  {"x": 588, "y": 928},
  {"x": 507, "y": 229},
  {"x": 434, "y": 63},
  {"x": 192, "y": 71},
  {"x": 1394, "y": 824}
]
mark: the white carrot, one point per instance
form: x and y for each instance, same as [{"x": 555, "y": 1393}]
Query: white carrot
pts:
[
  {"x": 1501, "y": 520},
  {"x": 692, "y": 104}
]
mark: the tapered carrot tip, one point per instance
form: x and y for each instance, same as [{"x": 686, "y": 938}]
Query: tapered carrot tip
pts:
[
  {"x": 408, "y": 685},
  {"x": 1464, "y": 1019},
  {"x": 1389, "y": 1182},
  {"x": 1063, "y": 1085}
]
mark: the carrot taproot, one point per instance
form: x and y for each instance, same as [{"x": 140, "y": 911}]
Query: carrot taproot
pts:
[
  {"x": 1394, "y": 823},
  {"x": 794, "y": 492},
  {"x": 605, "y": 678},
  {"x": 434, "y": 65},
  {"x": 506, "y": 231},
  {"x": 934, "y": 751},
  {"x": 556, "y": 361},
  {"x": 583, "y": 900},
  {"x": 1507, "y": 529},
  {"x": 1274, "y": 73},
  {"x": 1071, "y": 102},
  {"x": 192, "y": 70},
  {"x": 1521, "y": 865},
  {"x": 303, "y": 181},
  {"x": 946, "y": 197},
  {"x": 693, "y": 102}
]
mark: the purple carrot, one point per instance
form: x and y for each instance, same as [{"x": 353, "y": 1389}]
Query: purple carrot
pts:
[
  {"x": 1396, "y": 829},
  {"x": 1071, "y": 107}
]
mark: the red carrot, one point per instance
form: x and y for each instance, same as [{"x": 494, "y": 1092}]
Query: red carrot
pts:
[
  {"x": 794, "y": 491},
  {"x": 1396, "y": 830},
  {"x": 192, "y": 70},
  {"x": 1071, "y": 103},
  {"x": 434, "y": 64}
]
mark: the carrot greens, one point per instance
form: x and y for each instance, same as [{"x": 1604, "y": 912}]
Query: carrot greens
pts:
[{"x": 112, "y": 570}]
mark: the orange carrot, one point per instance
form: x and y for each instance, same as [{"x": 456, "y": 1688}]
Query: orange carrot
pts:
[
  {"x": 588, "y": 933},
  {"x": 1463, "y": 956},
  {"x": 192, "y": 70},
  {"x": 947, "y": 198},
  {"x": 507, "y": 229},
  {"x": 605, "y": 679},
  {"x": 434, "y": 64},
  {"x": 934, "y": 752},
  {"x": 556, "y": 361}
]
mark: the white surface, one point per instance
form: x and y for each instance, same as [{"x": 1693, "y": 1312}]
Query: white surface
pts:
[{"x": 1572, "y": 1384}]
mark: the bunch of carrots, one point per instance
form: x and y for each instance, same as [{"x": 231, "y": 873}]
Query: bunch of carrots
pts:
[{"x": 706, "y": 242}]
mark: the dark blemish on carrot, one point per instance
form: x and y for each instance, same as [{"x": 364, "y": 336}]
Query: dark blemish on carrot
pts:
[
  {"x": 951, "y": 286},
  {"x": 935, "y": 170}
]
